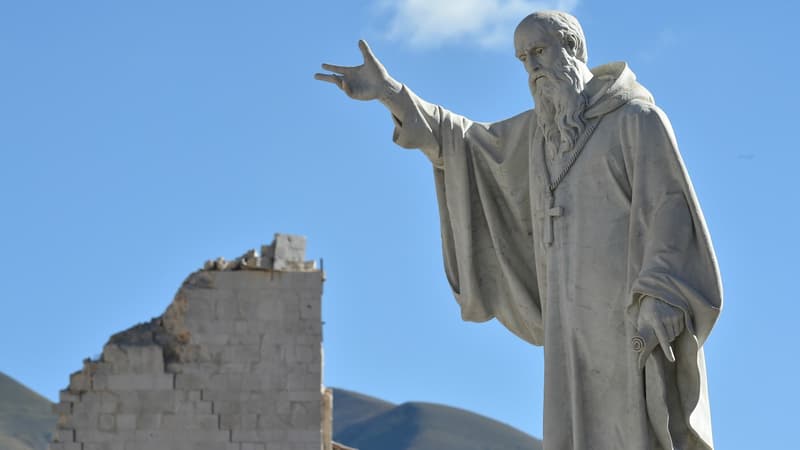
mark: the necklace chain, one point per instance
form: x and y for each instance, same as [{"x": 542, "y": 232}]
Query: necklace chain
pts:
[{"x": 584, "y": 137}]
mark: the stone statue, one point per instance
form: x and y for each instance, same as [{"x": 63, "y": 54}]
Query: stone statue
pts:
[{"x": 576, "y": 226}]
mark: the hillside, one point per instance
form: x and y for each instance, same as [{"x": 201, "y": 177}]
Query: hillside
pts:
[
  {"x": 371, "y": 424},
  {"x": 26, "y": 420},
  {"x": 351, "y": 408}
]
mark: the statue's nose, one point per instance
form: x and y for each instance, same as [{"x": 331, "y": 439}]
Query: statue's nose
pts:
[{"x": 533, "y": 65}]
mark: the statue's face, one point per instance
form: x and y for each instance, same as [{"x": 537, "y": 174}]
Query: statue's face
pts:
[
  {"x": 540, "y": 52},
  {"x": 555, "y": 81}
]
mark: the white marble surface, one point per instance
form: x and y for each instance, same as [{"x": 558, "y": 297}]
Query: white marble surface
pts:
[{"x": 576, "y": 226}]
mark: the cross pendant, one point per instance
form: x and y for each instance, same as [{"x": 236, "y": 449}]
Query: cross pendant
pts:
[{"x": 550, "y": 213}]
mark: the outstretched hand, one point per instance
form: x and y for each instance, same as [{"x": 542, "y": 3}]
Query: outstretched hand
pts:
[
  {"x": 368, "y": 81},
  {"x": 663, "y": 320}
]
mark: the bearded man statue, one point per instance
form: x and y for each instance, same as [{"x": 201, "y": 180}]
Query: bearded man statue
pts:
[{"x": 576, "y": 226}]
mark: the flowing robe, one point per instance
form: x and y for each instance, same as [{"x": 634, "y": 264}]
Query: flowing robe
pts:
[{"x": 630, "y": 226}]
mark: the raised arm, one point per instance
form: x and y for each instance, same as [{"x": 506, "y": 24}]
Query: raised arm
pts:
[{"x": 417, "y": 122}]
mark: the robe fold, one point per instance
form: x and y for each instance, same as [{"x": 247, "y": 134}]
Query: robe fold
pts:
[{"x": 629, "y": 226}]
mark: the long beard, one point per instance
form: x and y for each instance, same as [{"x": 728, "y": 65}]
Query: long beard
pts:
[{"x": 560, "y": 105}]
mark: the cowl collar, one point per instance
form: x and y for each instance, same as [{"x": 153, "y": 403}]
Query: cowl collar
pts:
[{"x": 613, "y": 85}]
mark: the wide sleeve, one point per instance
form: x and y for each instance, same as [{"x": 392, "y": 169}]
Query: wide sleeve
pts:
[
  {"x": 671, "y": 259},
  {"x": 417, "y": 123},
  {"x": 675, "y": 260},
  {"x": 481, "y": 175}
]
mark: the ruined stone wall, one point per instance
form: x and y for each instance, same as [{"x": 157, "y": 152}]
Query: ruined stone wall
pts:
[{"x": 235, "y": 363}]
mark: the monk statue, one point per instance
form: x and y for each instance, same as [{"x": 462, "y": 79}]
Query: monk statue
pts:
[{"x": 574, "y": 224}]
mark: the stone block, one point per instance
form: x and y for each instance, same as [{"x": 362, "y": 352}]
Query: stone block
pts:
[
  {"x": 117, "y": 445},
  {"x": 238, "y": 421},
  {"x": 106, "y": 422},
  {"x": 191, "y": 381},
  {"x": 305, "y": 436},
  {"x": 303, "y": 354},
  {"x": 145, "y": 359},
  {"x": 80, "y": 418},
  {"x": 273, "y": 421},
  {"x": 65, "y": 446},
  {"x": 141, "y": 382},
  {"x": 270, "y": 309},
  {"x": 241, "y": 354},
  {"x": 148, "y": 421},
  {"x": 263, "y": 435},
  {"x": 288, "y": 249},
  {"x": 125, "y": 359},
  {"x": 310, "y": 309},
  {"x": 273, "y": 351},
  {"x": 65, "y": 421},
  {"x": 301, "y": 381},
  {"x": 204, "y": 407},
  {"x": 215, "y": 395},
  {"x": 100, "y": 382},
  {"x": 126, "y": 422},
  {"x": 228, "y": 407},
  {"x": 64, "y": 435},
  {"x": 253, "y": 446},
  {"x": 234, "y": 367},
  {"x": 308, "y": 339},
  {"x": 79, "y": 382},
  {"x": 214, "y": 332},
  {"x": 190, "y": 422},
  {"x": 202, "y": 307},
  {"x": 193, "y": 436},
  {"x": 92, "y": 435},
  {"x": 252, "y": 338},
  {"x": 67, "y": 396},
  {"x": 311, "y": 396},
  {"x": 147, "y": 401},
  {"x": 97, "y": 402},
  {"x": 61, "y": 408},
  {"x": 193, "y": 407},
  {"x": 230, "y": 310}
]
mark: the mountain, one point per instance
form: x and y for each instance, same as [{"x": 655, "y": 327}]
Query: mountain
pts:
[
  {"x": 26, "y": 420},
  {"x": 367, "y": 423},
  {"x": 351, "y": 408},
  {"x": 360, "y": 421}
]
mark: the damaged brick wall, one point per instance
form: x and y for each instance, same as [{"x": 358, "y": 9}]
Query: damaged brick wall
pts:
[{"x": 235, "y": 363}]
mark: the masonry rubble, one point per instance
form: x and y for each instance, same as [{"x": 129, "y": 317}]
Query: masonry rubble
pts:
[{"x": 234, "y": 363}]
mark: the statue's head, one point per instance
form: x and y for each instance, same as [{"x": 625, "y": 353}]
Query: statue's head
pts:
[
  {"x": 552, "y": 47},
  {"x": 550, "y": 29}
]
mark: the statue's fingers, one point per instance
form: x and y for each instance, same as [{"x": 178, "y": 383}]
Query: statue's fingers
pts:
[
  {"x": 673, "y": 327},
  {"x": 669, "y": 331},
  {"x": 676, "y": 327},
  {"x": 366, "y": 51},
  {"x": 335, "y": 79},
  {"x": 663, "y": 340},
  {"x": 679, "y": 324},
  {"x": 643, "y": 356},
  {"x": 337, "y": 69}
]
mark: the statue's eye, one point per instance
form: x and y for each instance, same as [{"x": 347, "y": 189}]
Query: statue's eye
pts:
[
  {"x": 523, "y": 57},
  {"x": 538, "y": 50}
]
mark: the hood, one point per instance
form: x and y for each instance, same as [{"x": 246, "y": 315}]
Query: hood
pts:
[{"x": 612, "y": 86}]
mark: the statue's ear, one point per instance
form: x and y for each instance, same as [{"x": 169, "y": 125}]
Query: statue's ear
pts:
[{"x": 570, "y": 42}]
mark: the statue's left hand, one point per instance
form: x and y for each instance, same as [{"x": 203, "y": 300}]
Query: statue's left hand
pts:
[{"x": 665, "y": 321}]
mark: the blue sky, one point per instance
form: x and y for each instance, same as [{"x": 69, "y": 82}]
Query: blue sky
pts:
[{"x": 138, "y": 139}]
